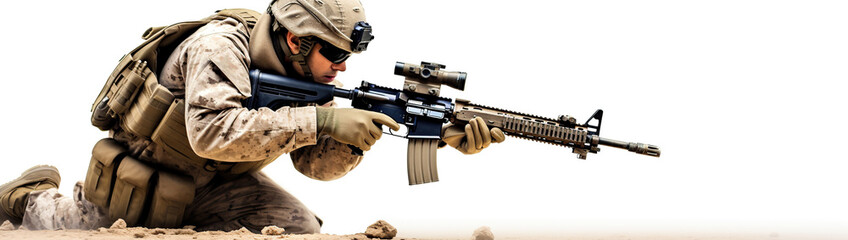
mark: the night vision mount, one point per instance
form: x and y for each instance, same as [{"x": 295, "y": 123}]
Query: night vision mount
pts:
[{"x": 361, "y": 36}]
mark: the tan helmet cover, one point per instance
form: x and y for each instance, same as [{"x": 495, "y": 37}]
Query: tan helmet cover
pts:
[{"x": 329, "y": 20}]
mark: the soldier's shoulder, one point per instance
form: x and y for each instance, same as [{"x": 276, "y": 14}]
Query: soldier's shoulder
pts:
[{"x": 221, "y": 32}]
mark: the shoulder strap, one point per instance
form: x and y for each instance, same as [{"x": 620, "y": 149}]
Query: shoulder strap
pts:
[{"x": 246, "y": 16}]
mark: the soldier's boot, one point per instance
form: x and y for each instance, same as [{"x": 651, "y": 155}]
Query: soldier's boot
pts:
[{"x": 14, "y": 194}]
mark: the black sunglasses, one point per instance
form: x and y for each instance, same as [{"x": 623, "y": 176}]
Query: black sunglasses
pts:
[{"x": 332, "y": 53}]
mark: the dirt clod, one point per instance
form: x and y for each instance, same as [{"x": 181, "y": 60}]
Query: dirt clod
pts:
[
  {"x": 381, "y": 229},
  {"x": 241, "y": 231},
  {"x": 483, "y": 233},
  {"x": 272, "y": 230},
  {"x": 119, "y": 224},
  {"x": 7, "y": 226}
]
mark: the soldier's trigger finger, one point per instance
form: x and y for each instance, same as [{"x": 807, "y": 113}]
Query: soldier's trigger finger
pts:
[
  {"x": 484, "y": 131},
  {"x": 498, "y": 135},
  {"x": 386, "y": 120}
]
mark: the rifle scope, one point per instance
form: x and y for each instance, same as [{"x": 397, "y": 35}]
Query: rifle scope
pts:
[{"x": 433, "y": 73}]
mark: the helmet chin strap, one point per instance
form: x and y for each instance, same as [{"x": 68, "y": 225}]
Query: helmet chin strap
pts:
[{"x": 305, "y": 46}]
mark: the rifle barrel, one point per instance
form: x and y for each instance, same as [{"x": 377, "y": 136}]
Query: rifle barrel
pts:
[{"x": 640, "y": 148}]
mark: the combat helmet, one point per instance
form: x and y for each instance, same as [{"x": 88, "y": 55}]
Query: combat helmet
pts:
[{"x": 338, "y": 24}]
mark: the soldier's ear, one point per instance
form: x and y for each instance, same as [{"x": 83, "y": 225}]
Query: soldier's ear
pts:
[{"x": 293, "y": 42}]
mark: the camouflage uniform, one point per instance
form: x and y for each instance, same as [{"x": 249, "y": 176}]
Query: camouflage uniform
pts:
[
  {"x": 49, "y": 210},
  {"x": 209, "y": 70}
]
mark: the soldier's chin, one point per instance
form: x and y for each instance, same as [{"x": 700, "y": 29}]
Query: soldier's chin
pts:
[{"x": 326, "y": 79}]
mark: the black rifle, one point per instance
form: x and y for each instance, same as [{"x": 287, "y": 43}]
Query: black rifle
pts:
[{"x": 419, "y": 107}]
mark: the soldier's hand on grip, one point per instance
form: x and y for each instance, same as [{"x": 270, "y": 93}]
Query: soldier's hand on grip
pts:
[
  {"x": 472, "y": 137},
  {"x": 353, "y": 126}
]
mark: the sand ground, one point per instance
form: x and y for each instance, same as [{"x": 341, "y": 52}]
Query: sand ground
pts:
[
  {"x": 174, "y": 234},
  {"x": 143, "y": 233},
  {"x": 119, "y": 230}
]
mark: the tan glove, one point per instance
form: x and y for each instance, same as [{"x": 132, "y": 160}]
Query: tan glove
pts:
[
  {"x": 353, "y": 126},
  {"x": 473, "y": 137}
]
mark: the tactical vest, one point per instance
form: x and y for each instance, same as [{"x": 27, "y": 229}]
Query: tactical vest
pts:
[{"x": 133, "y": 98}]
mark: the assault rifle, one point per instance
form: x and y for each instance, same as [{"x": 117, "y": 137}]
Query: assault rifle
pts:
[{"x": 419, "y": 107}]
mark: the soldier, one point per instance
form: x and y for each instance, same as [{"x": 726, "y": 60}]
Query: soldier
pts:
[{"x": 209, "y": 72}]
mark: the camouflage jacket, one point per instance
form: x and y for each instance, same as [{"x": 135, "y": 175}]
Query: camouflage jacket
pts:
[{"x": 209, "y": 70}]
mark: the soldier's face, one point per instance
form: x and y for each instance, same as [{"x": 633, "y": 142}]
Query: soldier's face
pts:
[{"x": 323, "y": 70}]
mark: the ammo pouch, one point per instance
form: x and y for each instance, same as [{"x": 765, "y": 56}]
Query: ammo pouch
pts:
[
  {"x": 105, "y": 157},
  {"x": 134, "y": 191}
]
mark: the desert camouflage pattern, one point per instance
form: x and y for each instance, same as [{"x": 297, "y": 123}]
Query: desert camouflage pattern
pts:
[
  {"x": 251, "y": 200},
  {"x": 209, "y": 70},
  {"x": 49, "y": 210}
]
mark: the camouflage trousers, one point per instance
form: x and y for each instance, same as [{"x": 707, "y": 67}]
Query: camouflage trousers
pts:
[
  {"x": 49, "y": 210},
  {"x": 251, "y": 200}
]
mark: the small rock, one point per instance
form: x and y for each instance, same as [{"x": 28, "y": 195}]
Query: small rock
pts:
[
  {"x": 7, "y": 226},
  {"x": 22, "y": 227},
  {"x": 119, "y": 224},
  {"x": 272, "y": 230},
  {"x": 192, "y": 227},
  {"x": 241, "y": 231},
  {"x": 139, "y": 235},
  {"x": 483, "y": 233},
  {"x": 381, "y": 229}
]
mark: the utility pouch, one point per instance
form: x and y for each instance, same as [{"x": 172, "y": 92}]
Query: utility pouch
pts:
[
  {"x": 171, "y": 134},
  {"x": 131, "y": 190},
  {"x": 105, "y": 156},
  {"x": 152, "y": 104},
  {"x": 119, "y": 91},
  {"x": 126, "y": 85},
  {"x": 171, "y": 195}
]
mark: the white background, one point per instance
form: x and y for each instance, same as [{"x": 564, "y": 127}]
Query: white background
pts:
[{"x": 745, "y": 98}]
